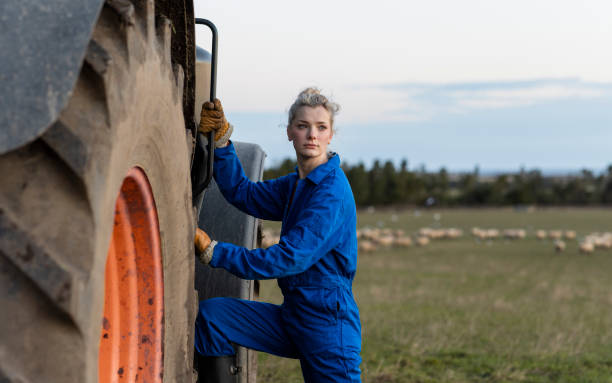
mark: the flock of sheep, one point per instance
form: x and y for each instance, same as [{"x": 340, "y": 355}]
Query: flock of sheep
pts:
[
  {"x": 369, "y": 239},
  {"x": 372, "y": 239}
]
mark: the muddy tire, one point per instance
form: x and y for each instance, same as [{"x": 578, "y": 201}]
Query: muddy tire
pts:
[{"x": 57, "y": 206}]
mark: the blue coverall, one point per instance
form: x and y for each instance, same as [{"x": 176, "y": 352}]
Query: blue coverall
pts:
[{"x": 315, "y": 263}]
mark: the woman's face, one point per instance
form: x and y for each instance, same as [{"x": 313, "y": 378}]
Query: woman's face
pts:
[{"x": 311, "y": 132}]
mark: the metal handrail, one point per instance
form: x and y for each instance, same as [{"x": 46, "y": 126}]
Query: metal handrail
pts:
[{"x": 213, "y": 87}]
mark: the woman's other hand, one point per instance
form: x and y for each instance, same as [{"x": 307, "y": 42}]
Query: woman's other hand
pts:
[
  {"x": 212, "y": 119},
  {"x": 204, "y": 246}
]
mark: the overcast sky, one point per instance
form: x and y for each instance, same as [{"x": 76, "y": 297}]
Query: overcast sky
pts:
[{"x": 498, "y": 84}]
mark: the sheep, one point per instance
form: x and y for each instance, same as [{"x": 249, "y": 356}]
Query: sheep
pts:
[
  {"x": 607, "y": 239},
  {"x": 559, "y": 246},
  {"x": 555, "y": 234},
  {"x": 403, "y": 242},
  {"x": 479, "y": 233},
  {"x": 570, "y": 234},
  {"x": 266, "y": 242},
  {"x": 541, "y": 234},
  {"x": 386, "y": 232},
  {"x": 451, "y": 233},
  {"x": 586, "y": 247},
  {"x": 599, "y": 240},
  {"x": 604, "y": 241},
  {"x": 454, "y": 233},
  {"x": 366, "y": 246},
  {"x": 514, "y": 233},
  {"x": 422, "y": 241},
  {"x": 269, "y": 238},
  {"x": 385, "y": 240},
  {"x": 368, "y": 233},
  {"x": 437, "y": 234}
]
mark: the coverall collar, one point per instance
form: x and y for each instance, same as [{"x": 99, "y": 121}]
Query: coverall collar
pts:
[{"x": 317, "y": 174}]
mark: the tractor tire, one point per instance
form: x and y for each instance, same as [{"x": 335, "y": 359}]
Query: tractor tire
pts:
[{"x": 57, "y": 210}]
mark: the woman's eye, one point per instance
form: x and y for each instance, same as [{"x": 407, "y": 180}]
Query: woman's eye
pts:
[
  {"x": 322, "y": 127},
  {"x": 301, "y": 126}
]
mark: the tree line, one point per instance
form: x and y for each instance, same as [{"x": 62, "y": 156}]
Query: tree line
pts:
[{"x": 386, "y": 184}]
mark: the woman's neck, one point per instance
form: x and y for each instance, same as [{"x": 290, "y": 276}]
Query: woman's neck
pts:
[{"x": 308, "y": 164}]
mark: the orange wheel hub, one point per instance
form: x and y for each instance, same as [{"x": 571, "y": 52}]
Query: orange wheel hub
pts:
[{"x": 131, "y": 340}]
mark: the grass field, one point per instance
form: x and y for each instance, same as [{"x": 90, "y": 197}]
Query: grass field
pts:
[{"x": 469, "y": 311}]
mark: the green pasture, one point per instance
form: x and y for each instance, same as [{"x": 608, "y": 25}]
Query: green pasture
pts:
[{"x": 479, "y": 311}]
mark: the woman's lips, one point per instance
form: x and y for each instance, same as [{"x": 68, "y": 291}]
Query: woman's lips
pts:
[{"x": 310, "y": 146}]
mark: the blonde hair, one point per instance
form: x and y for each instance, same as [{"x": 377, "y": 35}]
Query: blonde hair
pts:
[{"x": 312, "y": 97}]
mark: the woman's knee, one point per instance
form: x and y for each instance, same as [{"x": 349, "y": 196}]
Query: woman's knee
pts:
[
  {"x": 211, "y": 309},
  {"x": 208, "y": 305}
]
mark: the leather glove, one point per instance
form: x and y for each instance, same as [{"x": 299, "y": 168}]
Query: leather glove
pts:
[
  {"x": 204, "y": 246},
  {"x": 212, "y": 118}
]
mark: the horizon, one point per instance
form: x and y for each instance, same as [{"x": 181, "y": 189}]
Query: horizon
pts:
[{"x": 487, "y": 172}]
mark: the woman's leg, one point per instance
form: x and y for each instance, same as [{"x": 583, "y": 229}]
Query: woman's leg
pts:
[
  {"x": 255, "y": 325},
  {"x": 334, "y": 365},
  {"x": 324, "y": 325},
  {"x": 337, "y": 362}
]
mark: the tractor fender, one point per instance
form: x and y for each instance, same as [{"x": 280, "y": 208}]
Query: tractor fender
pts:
[{"x": 43, "y": 44}]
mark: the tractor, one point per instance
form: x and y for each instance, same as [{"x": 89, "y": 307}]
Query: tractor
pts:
[{"x": 104, "y": 178}]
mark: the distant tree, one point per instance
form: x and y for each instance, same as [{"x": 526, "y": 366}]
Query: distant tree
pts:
[
  {"x": 606, "y": 192},
  {"x": 575, "y": 192},
  {"x": 535, "y": 190},
  {"x": 384, "y": 185},
  {"x": 358, "y": 178},
  {"x": 376, "y": 195},
  {"x": 441, "y": 186},
  {"x": 391, "y": 184},
  {"x": 405, "y": 183},
  {"x": 498, "y": 191},
  {"x": 467, "y": 188}
]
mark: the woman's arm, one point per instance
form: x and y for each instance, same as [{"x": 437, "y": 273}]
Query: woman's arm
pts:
[
  {"x": 264, "y": 200},
  {"x": 314, "y": 235}
]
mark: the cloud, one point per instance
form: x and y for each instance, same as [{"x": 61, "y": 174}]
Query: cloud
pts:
[{"x": 408, "y": 102}]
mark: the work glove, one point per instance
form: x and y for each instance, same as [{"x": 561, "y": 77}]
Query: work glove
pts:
[
  {"x": 204, "y": 246},
  {"x": 213, "y": 119}
]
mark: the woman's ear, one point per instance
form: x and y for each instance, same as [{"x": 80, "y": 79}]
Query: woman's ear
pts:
[{"x": 289, "y": 137}]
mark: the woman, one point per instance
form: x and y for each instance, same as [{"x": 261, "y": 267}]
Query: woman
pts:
[{"x": 314, "y": 262}]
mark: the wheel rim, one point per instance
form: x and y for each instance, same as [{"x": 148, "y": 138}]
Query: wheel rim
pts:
[{"x": 131, "y": 340}]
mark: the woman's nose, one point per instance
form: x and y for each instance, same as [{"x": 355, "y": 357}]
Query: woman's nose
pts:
[{"x": 312, "y": 132}]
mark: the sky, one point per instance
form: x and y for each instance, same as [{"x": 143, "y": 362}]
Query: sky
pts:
[{"x": 457, "y": 84}]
